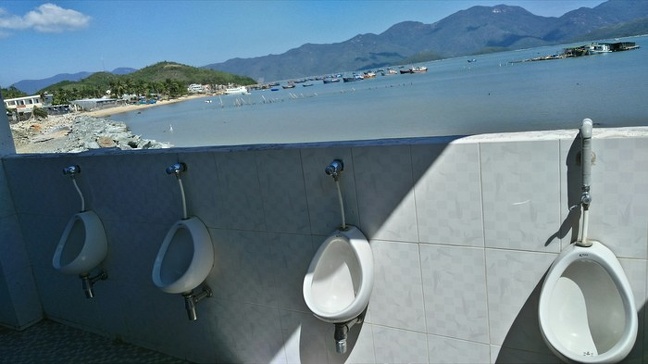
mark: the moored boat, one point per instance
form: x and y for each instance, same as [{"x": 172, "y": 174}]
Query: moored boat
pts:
[
  {"x": 236, "y": 90},
  {"x": 331, "y": 79},
  {"x": 355, "y": 77}
]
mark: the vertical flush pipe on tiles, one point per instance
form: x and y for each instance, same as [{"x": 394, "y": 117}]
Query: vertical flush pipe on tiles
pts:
[
  {"x": 334, "y": 169},
  {"x": 586, "y": 163}
]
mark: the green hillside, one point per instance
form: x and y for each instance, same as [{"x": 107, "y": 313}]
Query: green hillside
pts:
[{"x": 168, "y": 79}]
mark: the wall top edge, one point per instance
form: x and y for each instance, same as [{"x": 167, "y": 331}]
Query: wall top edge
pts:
[{"x": 546, "y": 135}]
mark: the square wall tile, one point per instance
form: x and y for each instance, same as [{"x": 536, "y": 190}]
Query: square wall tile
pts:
[
  {"x": 245, "y": 333},
  {"x": 322, "y": 193},
  {"x": 385, "y": 191},
  {"x": 397, "y": 296},
  {"x": 521, "y": 194},
  {"x": 41, "y": 241},
  {"x": 30, "y": 195},
  {"x": 243, "y": 266},
  {"x": 454, "y": 286},
  {"x": 284, "y": 193},
  {"x": 619, "y": 190},
  {"x": 115, "y": 186},
  {"x": 513, "y": 277},
  {"x": 305, "y": 337},
  {"x": 571, "y": 189},
  {"x": 290, "y": 256},
  {"x": 448, "y": 350},
  {"x": 399, "y": 346},
  {"x": 6, "y": 201},
  {"x": 448, "y": 194},
  {"x": 13, "y": 252},
  {"x": 238, "y": 196}
]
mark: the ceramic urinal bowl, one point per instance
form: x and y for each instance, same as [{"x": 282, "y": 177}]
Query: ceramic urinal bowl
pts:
[
  {"x": 340, "y": 277},
  {"x": 185, "y": 258},
  {"x": 587, "y": 311},
  {"x": 83, "y": 244}
]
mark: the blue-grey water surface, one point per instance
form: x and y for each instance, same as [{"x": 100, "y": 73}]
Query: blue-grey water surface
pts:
[{"x": 454, "y": 97}]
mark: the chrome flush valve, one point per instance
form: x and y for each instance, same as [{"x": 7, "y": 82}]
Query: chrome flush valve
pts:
[
  {"x": 71, "y": 170},
  {"x": 334, "y": 169},
  {"x": 586, "y": 198},
  {"x": 176, "y": 169}
]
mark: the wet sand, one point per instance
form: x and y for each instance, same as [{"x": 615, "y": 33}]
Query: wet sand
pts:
[{"x": 104, "y": 113}]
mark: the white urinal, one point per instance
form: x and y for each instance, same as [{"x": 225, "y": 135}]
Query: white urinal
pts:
[
  {"x": 587, "y": 311},
  {"x": 185, "y": 258},
  {"x": 340, "y": 277},
  {"x": 82, "y": 246}
]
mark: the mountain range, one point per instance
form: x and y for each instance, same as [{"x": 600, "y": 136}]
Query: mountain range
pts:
[{"x": 477, "y": 30}]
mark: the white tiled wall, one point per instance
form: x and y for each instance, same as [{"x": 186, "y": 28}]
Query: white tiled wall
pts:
[{"x": 462, "y": 235}]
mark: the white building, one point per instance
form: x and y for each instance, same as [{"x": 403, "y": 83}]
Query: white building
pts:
[{"x": 27, "y": 103}]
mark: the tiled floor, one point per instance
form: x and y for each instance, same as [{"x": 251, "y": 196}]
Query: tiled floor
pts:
[{"x": 51, "y": 342}]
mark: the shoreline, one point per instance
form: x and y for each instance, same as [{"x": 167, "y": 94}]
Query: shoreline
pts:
[{"x": 109, "y": 111}]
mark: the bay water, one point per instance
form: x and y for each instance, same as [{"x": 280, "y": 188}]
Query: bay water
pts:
[{"x": 493, "y": 93}]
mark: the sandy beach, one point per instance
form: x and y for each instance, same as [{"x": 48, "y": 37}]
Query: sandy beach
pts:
[{"x": 107, "y": 112}]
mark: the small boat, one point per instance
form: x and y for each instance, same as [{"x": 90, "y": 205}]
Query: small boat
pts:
[
  {"x": 408, "y": 70},
  {"x": 331, "y": 79},
  {"x": 419, "y": 69},
  {"x": 307, "y": 84},
  {"x": 355, "y": 77},
  {"x": 289, "y": 85},
  {"x": 236, "y": 90}
]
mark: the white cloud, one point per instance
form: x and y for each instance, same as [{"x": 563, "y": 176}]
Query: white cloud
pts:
[{"x": 47, "y": 18}]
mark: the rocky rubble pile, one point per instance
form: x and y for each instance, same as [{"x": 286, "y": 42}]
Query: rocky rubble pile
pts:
[{"x": 76, "y": 133}]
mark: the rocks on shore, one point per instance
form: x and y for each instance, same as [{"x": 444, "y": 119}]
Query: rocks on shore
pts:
[{"x": 74, "y": 133}]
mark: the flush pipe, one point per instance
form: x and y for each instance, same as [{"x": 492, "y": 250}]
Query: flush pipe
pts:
[
  {"x": 177, "y": 169},
  {"x": 342, "y": 331},
  {"x": 72, "y": 171},
  {"x": 586, "y": 162},
  {"x": 192, "y": 299},
  {"x": 87, "y": 282},
  {"x": 334, "y": 170}
]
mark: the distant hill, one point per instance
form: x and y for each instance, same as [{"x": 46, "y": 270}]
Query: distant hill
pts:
[
  {"x": 477, "y": 30},
  {"x": 32, "y": 86},
  {"x": 168, "y": 78}
]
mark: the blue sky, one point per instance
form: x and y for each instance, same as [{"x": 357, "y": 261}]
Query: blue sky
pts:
[{"x": 40, "y": 39}]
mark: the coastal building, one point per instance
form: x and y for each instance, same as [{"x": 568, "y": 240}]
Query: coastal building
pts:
[
  {"x": 195, "y": 88},
  {"x": 20, "y": 108},
  {"x": 96, "y": 103},
  {"x": 27, "y": 103}
]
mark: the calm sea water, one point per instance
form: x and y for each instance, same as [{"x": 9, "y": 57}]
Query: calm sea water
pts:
[{"x": 454, "y": 97}]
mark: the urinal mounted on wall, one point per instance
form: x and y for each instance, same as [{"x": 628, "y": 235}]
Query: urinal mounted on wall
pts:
[
  {"x": 339, "y": 280},
  {"x": 186, "y": 255},
  {"x": 83, "y": 245},
  {"x": 587, "y": 310}
]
